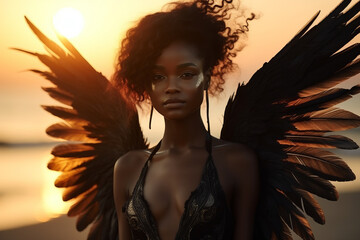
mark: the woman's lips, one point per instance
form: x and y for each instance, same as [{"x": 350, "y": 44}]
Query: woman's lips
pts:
[{"x": 173, "y": 103}]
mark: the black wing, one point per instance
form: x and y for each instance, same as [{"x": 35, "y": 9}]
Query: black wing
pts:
[
  {"x": 100, "y": 125},
  {"x": 286, "y": 112}
]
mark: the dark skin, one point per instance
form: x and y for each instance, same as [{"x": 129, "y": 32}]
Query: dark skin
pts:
[{"x": 175, "y": 171}]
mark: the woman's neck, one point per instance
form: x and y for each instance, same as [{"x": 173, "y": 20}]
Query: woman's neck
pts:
[{"x": 184, "y": 133}]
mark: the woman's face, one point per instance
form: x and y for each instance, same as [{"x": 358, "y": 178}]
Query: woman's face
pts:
[{"x": 178, "y": 81}]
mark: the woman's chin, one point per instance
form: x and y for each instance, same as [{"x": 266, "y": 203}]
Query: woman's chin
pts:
[{"x": 175, "y": 116}]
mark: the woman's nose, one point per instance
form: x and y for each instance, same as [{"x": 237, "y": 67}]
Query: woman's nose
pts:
[{"x": 172, "y": 85}]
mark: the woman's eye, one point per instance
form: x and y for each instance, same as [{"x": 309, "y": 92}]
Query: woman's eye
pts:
[
  {"x": 187, "y": 75},
  {"x": 158, "y": 77}
]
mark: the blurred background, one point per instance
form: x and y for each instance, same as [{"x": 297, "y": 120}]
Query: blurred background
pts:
[{"x": 30, "y": 206}]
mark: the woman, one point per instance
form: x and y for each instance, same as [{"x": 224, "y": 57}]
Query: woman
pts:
[{"x": 191, "y": 185}]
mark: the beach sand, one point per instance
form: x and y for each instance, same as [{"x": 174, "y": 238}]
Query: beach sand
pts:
[
  {"x": 342, "y": 223},
  {"x": 62, "y": 228}
]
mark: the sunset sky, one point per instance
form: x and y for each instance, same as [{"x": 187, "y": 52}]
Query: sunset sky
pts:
[
  {"x": 24, "y": 176},
  {"x": 22, "y": 119}
]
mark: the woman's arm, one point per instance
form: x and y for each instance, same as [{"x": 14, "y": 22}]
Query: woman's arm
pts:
[
  {"x": 121, "y": 176},
  {"x": 246, "y": 178}
]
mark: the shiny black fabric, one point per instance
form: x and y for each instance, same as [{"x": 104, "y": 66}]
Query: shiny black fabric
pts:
[{"x": 206, "y": 214}]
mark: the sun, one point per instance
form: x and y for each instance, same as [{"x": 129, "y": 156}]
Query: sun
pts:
[{"x": 68, "y": 22}]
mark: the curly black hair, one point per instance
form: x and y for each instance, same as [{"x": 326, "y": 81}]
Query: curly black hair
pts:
[{"x": 212, "y": 28}]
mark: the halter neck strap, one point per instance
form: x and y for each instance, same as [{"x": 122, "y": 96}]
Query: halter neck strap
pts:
[
  {"x": 208, "y": 143},
  {"x": 154, "y": 151}
]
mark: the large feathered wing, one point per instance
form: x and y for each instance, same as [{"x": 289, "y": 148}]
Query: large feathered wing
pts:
[
  {"x": 100, "y": 125},
  {"x": 286, "y": 113}
]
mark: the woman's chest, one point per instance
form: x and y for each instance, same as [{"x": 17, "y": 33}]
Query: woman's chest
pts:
[
  {"x": 179, "y": 197},
  {"x": 169, "y": 183}
]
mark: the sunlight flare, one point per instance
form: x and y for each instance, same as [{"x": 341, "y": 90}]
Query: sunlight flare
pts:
[
  {"x": 52, "y": 202},
  {"x": 68, "y": 22}
]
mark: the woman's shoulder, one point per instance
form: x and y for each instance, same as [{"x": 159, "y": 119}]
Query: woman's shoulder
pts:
[
  {"x": 127, "y": 170},
  {"x": 131, "y": 161},
  {"x": 234, "y": 156},
  {"x": 232, "y": 150}
]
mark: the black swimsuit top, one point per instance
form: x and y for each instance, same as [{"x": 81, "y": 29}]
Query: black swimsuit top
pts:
[{"x": 206, "y": 214}]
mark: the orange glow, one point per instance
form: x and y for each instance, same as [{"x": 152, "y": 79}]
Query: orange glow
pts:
[
  {"x": 106, "y": 24},
  {"x": 68, "y": 22},
  {"x": 23, "y": 120},
  {"x": 52, "y": 202}
]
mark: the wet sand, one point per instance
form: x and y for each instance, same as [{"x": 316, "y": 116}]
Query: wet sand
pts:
[{"x": 342, "y": 223}]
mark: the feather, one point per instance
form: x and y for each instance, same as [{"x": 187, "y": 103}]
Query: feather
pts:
[
  {"x": 285, "y": 234},
  {"x": 285, "y": 112},
  {"x": 73, "y": 150},
  {"x": 296, "y": 221},
  {"x": 76, "y": 190},
  {"x": 350, "y": 14},
  {"x": 88, "y": 217},
  {"x": 335, "y": 113},
  {"x": 83, "y": 202},
  {"x": 331, "y": 141},
  {"x": 101, "y": 118},
  {"x": 354, "y": 90},
  {"x": 337, "y": 11},
  {"x": 59, "y": 95},
  {"x": 96, "y": 230},
  {"x": 308, "y": 204},
  {"x": 71, "y": 133},
  {"x": 296, "y": 37},
  {"x": 65, "y": 164},
  {"x": 79, "y": 60},
  {"x": 328, "y": 120},
  {"x": 100, "y": 231},
  {"x": 327, "y": 125},
  {"x": 47, "y": 75},
  {"x": 293, "y": 217},
  {"x": 49, "y": 43},
  {"x": 24, "y": 51},
  {"x": 337, "y": 61},
  {"x": 319, "y": 99},
  {"x": 71, "y": 178},
  {"x": 306, "y": 133},
  {"x": 304, "y": 180},
  {"x": 349, "y": 71},
  {"x": 320, "y": 162},
  {"x": 64, "y": 113}
]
